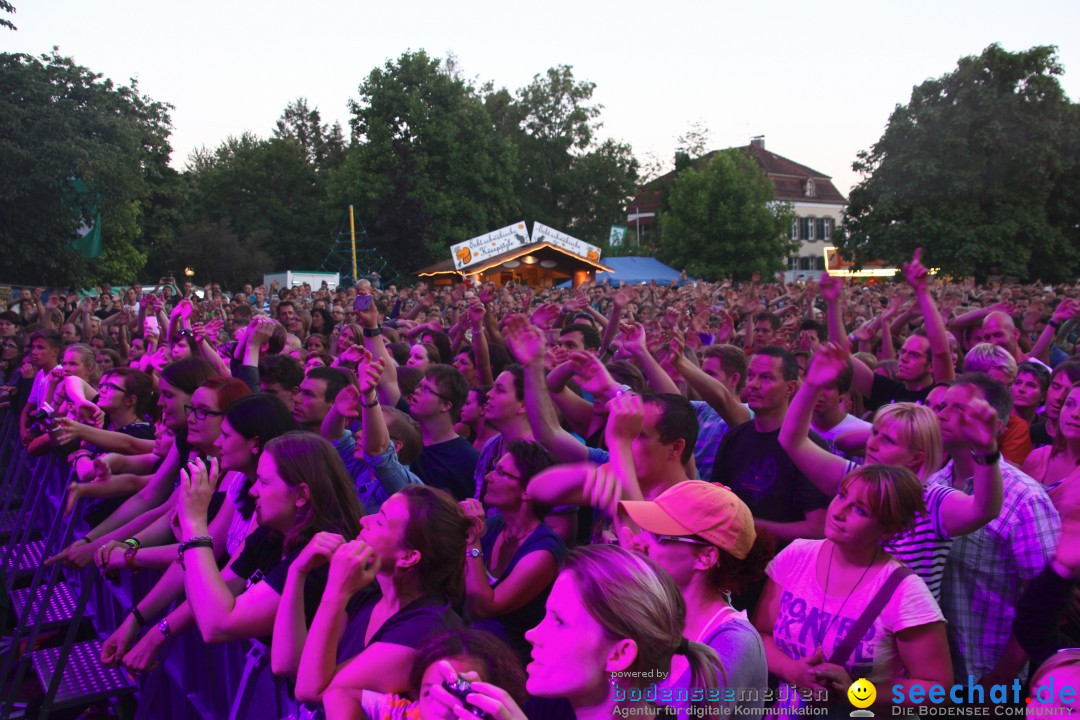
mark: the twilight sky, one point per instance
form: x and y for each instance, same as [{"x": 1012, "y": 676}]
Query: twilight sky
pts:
[{"x": 818, "y": 79}]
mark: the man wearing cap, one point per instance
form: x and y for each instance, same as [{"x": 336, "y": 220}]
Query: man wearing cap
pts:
[{"x": 703, "y": 535}]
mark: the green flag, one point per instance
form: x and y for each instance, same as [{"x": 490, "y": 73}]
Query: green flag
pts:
[{"x": 89, "y": 242}]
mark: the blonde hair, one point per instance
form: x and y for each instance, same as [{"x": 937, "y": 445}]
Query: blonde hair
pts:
[
  {"x": 631, "y": 597},
  {"x": 920, "y": 431},
  {"x": 88, "y": 355},
  {"x": 985, "y": 357}
]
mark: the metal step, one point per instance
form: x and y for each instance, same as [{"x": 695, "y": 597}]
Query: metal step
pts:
[
  {"x": 25, "y": 558},
  {"x": 84, "y": 679},
  {"x": 59, "y": 610}
]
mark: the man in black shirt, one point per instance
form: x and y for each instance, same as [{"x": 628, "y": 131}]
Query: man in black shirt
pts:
[
  {"x": 751, "y": 462},
  {"x": 448, "y": 460}
]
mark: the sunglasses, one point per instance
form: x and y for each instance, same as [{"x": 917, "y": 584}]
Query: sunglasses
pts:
[{"x": 667, "y": 539}]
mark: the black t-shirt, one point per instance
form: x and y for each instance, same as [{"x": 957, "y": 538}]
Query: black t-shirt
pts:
[
  {"x": 411, "y": 626},
  {"x": 261, "y": 560},
  {"x": 1039, "y": 436},
  {"x": 758, "y": 470},
  {"x": 886, "y": 391},
  {"x": 448, "y": 465},
  {"x": 512, "y": 626}
]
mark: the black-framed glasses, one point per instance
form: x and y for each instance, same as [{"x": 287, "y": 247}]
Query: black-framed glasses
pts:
[
  {"x": 425, "y": 388},
  {"x": 115, "y": 388},
  {"x": 200, "y": 413}
]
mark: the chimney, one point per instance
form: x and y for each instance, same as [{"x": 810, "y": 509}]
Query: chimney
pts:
[{"x": 758, "y": 141}]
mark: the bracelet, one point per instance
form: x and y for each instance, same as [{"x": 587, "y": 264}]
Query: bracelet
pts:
[
  {"x": 201, "y": 541},
  {"x": 86, "y": 539},
  {"x": 986, "y": 459},
  {"x": 373, "y": 403},
  {"x": 372, "y": 332},
  {"x": 138, "y": 616},
  {"x": 1056, "y": 324},
  {"x": 133, "y": 542}
]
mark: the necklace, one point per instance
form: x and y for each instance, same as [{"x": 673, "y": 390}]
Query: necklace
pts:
[{"x": 821, "y": 611}]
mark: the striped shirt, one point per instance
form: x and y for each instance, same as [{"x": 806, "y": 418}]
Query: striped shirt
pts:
[
  {"x": 987, "y": 569},
  {"x": 925, "y": 547}
]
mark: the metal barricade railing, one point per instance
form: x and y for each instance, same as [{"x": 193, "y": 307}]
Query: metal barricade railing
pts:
[{"x": 33, "y": 489}]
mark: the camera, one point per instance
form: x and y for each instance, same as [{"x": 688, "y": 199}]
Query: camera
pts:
[{"x": 460, "y": 689}]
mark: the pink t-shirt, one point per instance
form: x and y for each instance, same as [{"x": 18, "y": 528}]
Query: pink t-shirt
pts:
[{"x": 802, "y": 616}]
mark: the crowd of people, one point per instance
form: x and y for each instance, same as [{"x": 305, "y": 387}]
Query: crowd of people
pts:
[{"x": 450, "y": 500}]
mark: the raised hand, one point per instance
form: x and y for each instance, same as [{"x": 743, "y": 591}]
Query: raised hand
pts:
[
  {"x": 633, "y": 338},
  {"x": 626, "y": 412},
  {"x": 474, "y": 511},
  {"x": 347, "y": 402},
  {"x": 602, "y": 489},
  {"x": 352, "y": 568},
  {"x": 832, "y": 288},
  {"x": 524, "y": 340},
  {"x": 1066, "y": 310},
  {"x": 197, "y": 484},
  {"x": 317, "y": 552},
  {"x": 917, "y": 276},
  {"x": 980, "y": 427},
  {"x": 827, "y": 365},
  {"x": 592, "y": 374}
]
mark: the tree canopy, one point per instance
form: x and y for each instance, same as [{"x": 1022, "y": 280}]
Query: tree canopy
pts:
[
  {"x": 61, "y": 122},
  {"x": 721, "y": 221},
  {"x": 980, "y": 168}
]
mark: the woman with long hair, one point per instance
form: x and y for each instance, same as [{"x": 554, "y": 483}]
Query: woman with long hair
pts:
[
  {"x": 842, "y": 608},
  {"x": 1056, "y": 464},
  {"x": 405, "y": 570},
  {"x": 614, "y": 622}
]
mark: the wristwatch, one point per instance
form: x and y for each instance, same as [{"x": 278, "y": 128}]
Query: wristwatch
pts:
[
  {"x": 986, "y": 459},
  {"x": 472, "y": 552},
  {"x": 163, "y": 627},
  {"x": 372, "y": 332}
]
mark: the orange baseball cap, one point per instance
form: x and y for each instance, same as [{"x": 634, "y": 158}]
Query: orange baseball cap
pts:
[{"x": 695, "y": 507}]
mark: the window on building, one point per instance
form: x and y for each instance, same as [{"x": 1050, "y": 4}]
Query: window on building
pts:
[
  {"x": 810, "y": 189},
  {"x": 806, "y": 263},
  {"x": 821, "y": 225},
  {"x": 793, "y": 263},
  {"x": 795, "y": 229},
  {"x": 819, "y": 262},
  {"x": 810, "y": 229},
  {"x": 804, "y": 229},
  {"x": 830, "y": 226}
]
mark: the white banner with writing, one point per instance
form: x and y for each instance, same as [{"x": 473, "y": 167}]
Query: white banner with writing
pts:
[
  {"x": 481, "y": 248},
  {"x": 542, "y": 233}
]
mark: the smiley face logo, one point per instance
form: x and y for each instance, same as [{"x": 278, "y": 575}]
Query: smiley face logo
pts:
[{"x": 862, "y": 693}]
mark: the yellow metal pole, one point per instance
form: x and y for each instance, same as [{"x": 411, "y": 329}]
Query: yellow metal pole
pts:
[{"x": 352, "y": 231}]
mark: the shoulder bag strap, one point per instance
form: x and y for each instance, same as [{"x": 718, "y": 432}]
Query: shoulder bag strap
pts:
[{"x": 843, "y": 651}]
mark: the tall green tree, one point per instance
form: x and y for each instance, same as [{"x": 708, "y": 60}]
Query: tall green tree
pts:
[
  {"x": 324, "y": 144},
  {"x": 980, "y": 168},
  {"x": 7, "y": 7},
  {"x": 261, "y": 188},
  {"x": 426, "y": 167},
  {"x": 60, "y": 121},
  {"x": 567, "y": 178},
  {"x": 721, "y": 220}
]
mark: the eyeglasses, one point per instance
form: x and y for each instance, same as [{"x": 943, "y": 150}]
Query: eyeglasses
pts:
[
  {"x": 503, "y": 474},
  {"x": 686, "y": 540},
  {"x": 201, "y": 414},
  {"x": 114, "y": 387},
  {"x": 425, "y": 388}
]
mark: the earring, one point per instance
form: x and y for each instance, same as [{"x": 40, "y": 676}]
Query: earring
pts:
[{"x": 300, "y": 512}]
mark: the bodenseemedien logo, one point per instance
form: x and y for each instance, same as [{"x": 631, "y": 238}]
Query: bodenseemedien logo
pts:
[{"x": 862, "y": 695}]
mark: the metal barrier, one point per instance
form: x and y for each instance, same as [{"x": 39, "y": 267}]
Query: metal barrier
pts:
[{"x": 193, "y": 680}]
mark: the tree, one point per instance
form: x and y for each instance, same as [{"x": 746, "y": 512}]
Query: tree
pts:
[
  {"x": 721, "y": 220},
  {"x": 266, "y": 189},
  {"x": 7, "y": 7},
  {"x": 61, "y": 122},
  {"x": 217, "y": 254},
  {"x": 980, "y": 168},
  {"x": 426, "y": 167},
  {"x": 324, "y": 144},
  {"x": 566, "y": 178}
]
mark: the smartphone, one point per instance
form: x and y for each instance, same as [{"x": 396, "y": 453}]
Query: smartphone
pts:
[
  {"x": 150, "y": 325},
  {"x": 362, "y": 303}
]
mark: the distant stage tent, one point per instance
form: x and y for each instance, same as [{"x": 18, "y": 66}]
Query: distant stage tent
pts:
[{"x": 632, "y": 270}]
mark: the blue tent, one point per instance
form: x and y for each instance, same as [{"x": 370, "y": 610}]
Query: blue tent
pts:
[{"x": 635, "y": 270}]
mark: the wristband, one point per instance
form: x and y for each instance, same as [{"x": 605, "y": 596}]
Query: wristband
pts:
[
  {"x": 986, "y": 459},
  {"x": 201, "y": 541},
  {"x": 373, "y": 403},
  {"x": 133, "y": 542},
  {"x": 86, "y": 539},
  {"x": 139, "y": 619},
  {"x": 372, "y": 332},
  {"x": 1056, "y": 324}
]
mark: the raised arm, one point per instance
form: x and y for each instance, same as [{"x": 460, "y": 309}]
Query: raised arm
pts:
[
  {"x": 919, "y": 278},
  {"x": 634, "y": 344},
  {"x": 820, "y": 466},
  {"x": 962, "y": 513},
  {"x": 711, "y": 390},
  {"x": 374, "y": 343}
]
